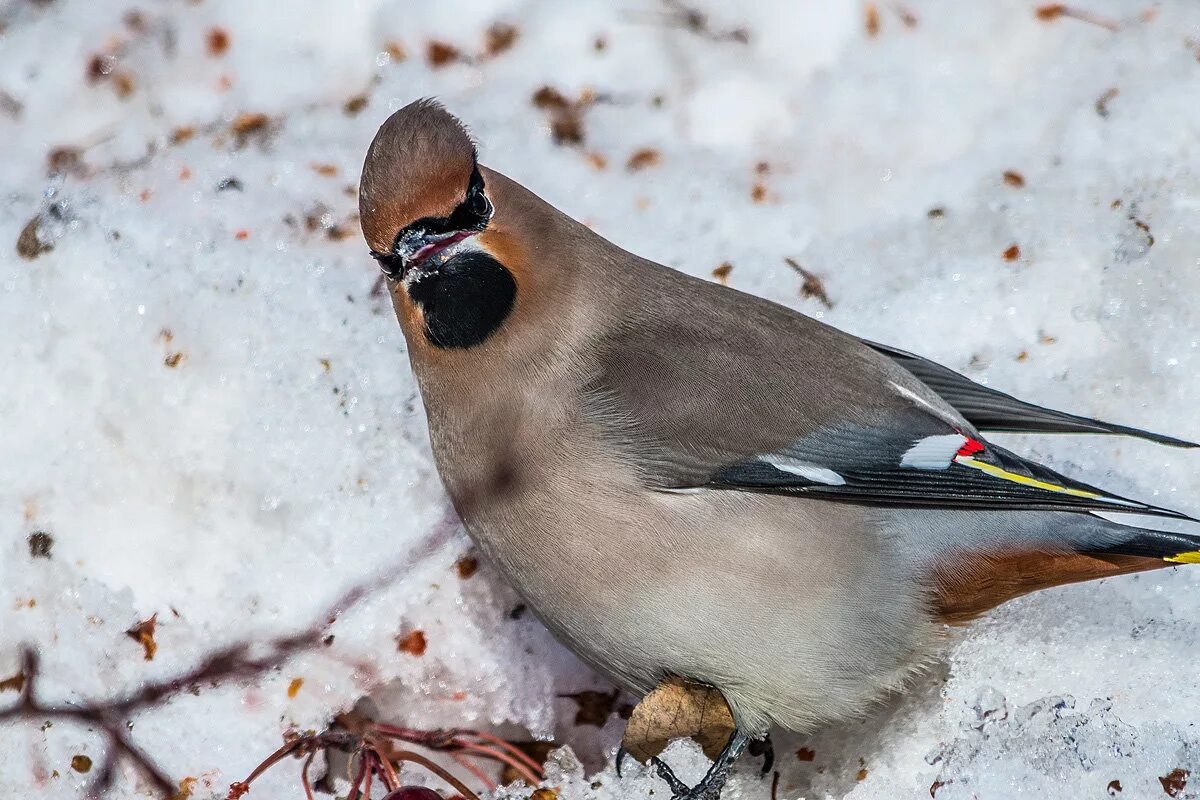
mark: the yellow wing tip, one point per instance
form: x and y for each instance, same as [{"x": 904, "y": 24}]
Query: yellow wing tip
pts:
[{"x": 1190, "y": 557}]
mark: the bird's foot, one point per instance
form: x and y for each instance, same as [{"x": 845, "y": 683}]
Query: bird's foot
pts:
[{"x": 709, "y": 788}]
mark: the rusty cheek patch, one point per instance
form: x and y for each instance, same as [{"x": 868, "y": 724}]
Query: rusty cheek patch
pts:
[
  {"x": 969, "y": 584},
  {"x": 385, "y": 213}
]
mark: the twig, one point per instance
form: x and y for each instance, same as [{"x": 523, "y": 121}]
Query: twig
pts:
[{"x": 235, "y": 661}]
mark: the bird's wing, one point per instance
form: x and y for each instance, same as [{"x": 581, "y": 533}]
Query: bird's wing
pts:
[
  {"x": 991, "y": 410},
  {"x": 907, "y": 468},
  {"x": 722, "y": 390}
]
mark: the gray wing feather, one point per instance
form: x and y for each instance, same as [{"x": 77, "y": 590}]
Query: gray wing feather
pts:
[{"x": 992, "y": 410}]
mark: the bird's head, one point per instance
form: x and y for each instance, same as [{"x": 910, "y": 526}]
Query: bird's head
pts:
[{"x": 427, "y": 213}]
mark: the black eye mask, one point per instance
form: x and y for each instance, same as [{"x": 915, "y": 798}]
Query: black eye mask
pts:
[{"x": 472, "y": 214}]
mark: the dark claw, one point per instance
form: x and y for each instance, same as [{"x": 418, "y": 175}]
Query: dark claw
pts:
[
  {"x": 709, "y": 788},
  {"x": 678, "y": 787},
  {"x": 766, "y": 748}
]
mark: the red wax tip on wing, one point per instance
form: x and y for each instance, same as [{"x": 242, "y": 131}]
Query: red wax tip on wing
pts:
[{"x": 970, "y": 447}]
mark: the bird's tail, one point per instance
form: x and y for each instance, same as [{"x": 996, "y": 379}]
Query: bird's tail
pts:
[
  {"x": 1053, "y": 549},
  {"x": 1171, "y": 547}
]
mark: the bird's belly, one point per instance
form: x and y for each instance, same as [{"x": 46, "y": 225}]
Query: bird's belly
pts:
[{"x": 791, "y": 607}]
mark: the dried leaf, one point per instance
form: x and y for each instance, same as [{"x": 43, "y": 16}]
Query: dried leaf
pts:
[
  {"x": 538, "y": 751},
  {"x": 1011, "y": 253},
  {"x": 721, "y": 273},
  {"x": 1104, "y": 100},
  {"x": 294, "y": 687},
  {"x": 413, "y": 643},
  {"x": 593, "y": 708},
  {"x": 805, "y": 754},
  {"x": 143, "y": 634},
  {"x": 14, "y": 684},
  {"x": 466, "y": 566},
  {"x": 81, "y": 763},
  {"x": 29, "y": 246},
  {"x": 676, "y": 709},
  {"x": 872, "y": 20},
  {"x": 500, "y": 37},
  {"x": 186, "y": 787},
  {"x": 1174, "y": 782},
  {"x": 354, "y": 105},
  {"x": 645, "y": 157},
  {"x": 439, "y": 54},
  {"x": 249, "y": 126},
  {"x": 1114, "y": 788},
  {"x": 216, "y": 41},
  {"x": 813, "y": 286},
  {"x": 1014, "y": 178},
  {"x": 40, "y": 543}
]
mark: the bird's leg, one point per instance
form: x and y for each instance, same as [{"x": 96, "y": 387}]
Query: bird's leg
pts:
[{"x": 709, "y": 788}]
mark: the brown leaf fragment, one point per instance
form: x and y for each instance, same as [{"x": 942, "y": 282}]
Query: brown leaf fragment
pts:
[
  {"x": 182, "y": 134},
  {"x": 1114, "y": 788},
  {"x": 500, "y": 37},
  {"x": 466, "y": 566},
  {"x": 1174, "y": 782},
  {"x": 216, "y": 41},
  {"x": 413, "y": 643},
  {"x": 249, "y": 126},
  {"x": 758, "y": 193},
  {"x": 907, "y": 17},
  {"x": 40, "y": 543},
  {"x": 396, "y": 52},
  {"x": 696, "y": 21},
  {"x": 439, "y": 53},
  {"x": 1049, "y": 12},
  {"x": 354, "y": 105},
  {"x": 544, "y": 794},
  {"x": 172, "y": 359},
  {"x": 143, "y": 634},
  {"x": 813, "y": 286},
  {"x": 29, "y": 246},
  {"x": 294, "y": 687},
  {"x": 1194, "y": 46},
  {"x": 1014, "y": 179},
  {"x": 721, "y": 273},
  {"x": 566, "y": 116},
  {"x": 805, "y": 754},
  {"x": 1103, "y": 101},
  {"x": 1053, "y": 11},
  {"x": 861, "y": 775},
  {"x": 936, "y": 213},
  {"x": 14, "y": 684},
  {"x": 81, "y": 763},
  {"x": 871, "y": 21},
  {"x": 678, "y": 708},
  {"x": 933, "y": 788},
  {"x": 99, "y": 67},
  {"x": 186, "y": 787},
  {"x": 643, "y": 158},
  {"x": 538, "y": 751},
  {"x": 593, "y": 708},
  {"x": 1011, "y": 253},
  {"x": 65, "y": 161},
  {"x": 1144, "y": 228}
]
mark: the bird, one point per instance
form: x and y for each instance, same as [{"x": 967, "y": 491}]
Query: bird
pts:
[{"x": 682, "y": 479}]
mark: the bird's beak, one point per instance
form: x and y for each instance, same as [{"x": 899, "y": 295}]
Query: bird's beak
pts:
[{"x": 418, "y": 250}]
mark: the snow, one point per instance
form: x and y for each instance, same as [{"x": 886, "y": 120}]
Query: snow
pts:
[{"x": 282, "y": 459}]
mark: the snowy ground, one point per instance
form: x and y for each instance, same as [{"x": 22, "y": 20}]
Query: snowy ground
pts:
[{"x": 210, "y": 415}]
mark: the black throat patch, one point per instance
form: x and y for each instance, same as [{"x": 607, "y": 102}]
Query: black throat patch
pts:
[{"x": 465, "y": 300}]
